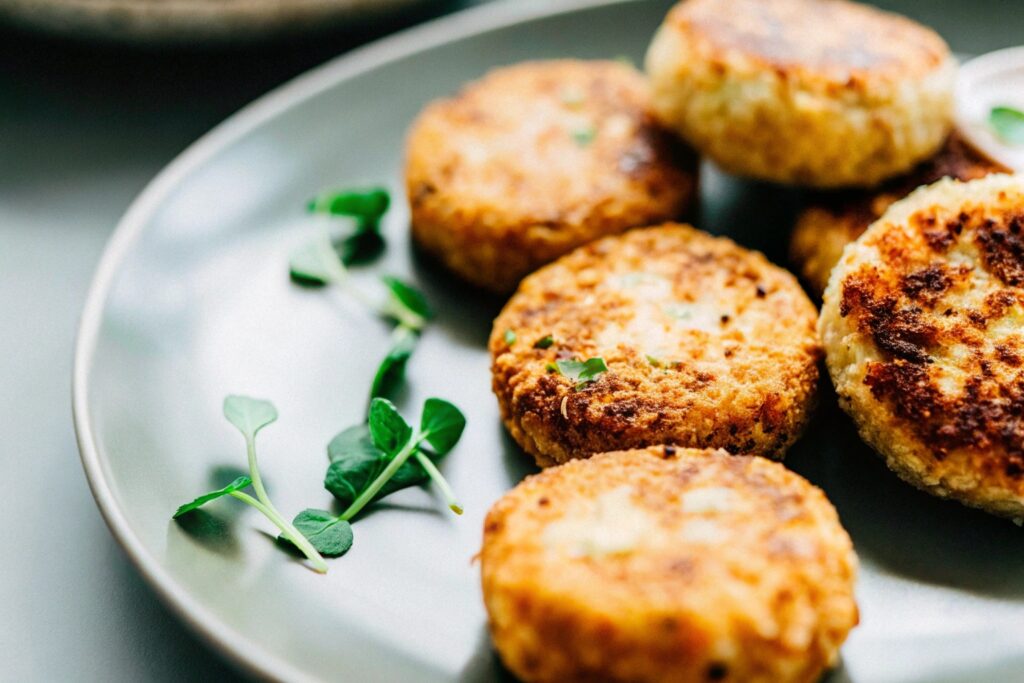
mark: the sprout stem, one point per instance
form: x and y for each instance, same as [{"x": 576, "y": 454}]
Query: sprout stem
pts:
[
  {"x": 367, "y": 495},
  {"x": 440, "y": 481},
  {"x": 263, "y": 504},
  {"x": 339, "y": 275},
  {"x": 290, "y": 532}
]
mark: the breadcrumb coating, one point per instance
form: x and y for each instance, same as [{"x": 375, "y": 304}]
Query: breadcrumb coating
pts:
[
  {"x": 824, "y": 93},
  {"x": 667, "y": 564},
  {"x": 923, "y": 327},
  {"x": 834, "y": 219},
  {"x": 707, "y": 344},
  {"x": 534, "y": 160}
]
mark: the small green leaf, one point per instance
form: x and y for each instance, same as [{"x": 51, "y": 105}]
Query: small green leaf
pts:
[
  {"x": 363, "y": 245},
  {"x": 250, "y": 415},
  {"x": 355, "y": 462},
  {"x": 570, "y": 368},
  {"x": 408, "y": 297},
  {"x": 391, "y": 371},
  {"x": 236, "y": 485},
  {"x": 330, "y": 535},
  {"x": 361, "y": 203},
  {"x": 583, "y": 372},
  {"x": 544, "y": 342},
  {"x": 389, "y": 430},
  {"x": 1008, "y": 124},
  {"x": 355, "y": 439},
  {"x": 306, "y": 265},
  {"x": 348, "y": 477},
  {"x": 655, "y": 362},
  {"x": 551, "y": 367},
  {"x": 510, "y": 337},
  {"x": 441, "y": 425},
  {"x": 584, "y": 135}
]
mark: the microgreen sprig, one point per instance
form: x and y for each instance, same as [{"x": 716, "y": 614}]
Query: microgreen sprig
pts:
[
  {"x": 375, "y": 459},
  {"x": 361, "y": 203},
  {"x": 364, "y": 242},
  {"x": 323, "y": 262},
  {"x": 441, "y": 427},
  {"x": 318, "y": 262},
  {"x": 250, "y": 415},
  {"x": 384, "y": 454},
  {"x": 391, "y": 371}
]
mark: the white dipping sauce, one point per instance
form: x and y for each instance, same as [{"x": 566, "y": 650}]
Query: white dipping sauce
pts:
[{"x": 992, "y": 80}]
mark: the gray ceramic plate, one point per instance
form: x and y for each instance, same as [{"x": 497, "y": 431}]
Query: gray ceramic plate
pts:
[{"x": 192, "y": 301}]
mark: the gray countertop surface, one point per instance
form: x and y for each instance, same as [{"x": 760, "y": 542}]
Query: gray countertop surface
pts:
[{"x": 82, "y": 129}]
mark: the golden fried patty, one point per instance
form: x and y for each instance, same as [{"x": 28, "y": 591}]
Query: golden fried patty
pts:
[
  {"x": 667, "y": 565},
  {"x": 834, "y": 219},
  {"x": 824, "y": 93},
  {"x": 922, "y": 327},
  {"x": 706, "y": 344},
  {"x": 536, "y": 159}
]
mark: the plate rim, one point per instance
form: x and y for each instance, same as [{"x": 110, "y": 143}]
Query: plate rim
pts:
[{"x": 230, "y": 643}]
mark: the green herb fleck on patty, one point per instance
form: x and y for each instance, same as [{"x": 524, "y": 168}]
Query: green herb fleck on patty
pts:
[{"x": 544, "y": 342}]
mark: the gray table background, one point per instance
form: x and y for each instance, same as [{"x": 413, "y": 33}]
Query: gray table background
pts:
[{"x": 82, "y": 129}]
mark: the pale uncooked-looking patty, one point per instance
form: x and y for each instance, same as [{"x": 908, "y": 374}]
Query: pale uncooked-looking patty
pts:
[
  {"x": 832, "y": 220},
  {"x": 536, "y": 159},
  {"x": 923, "y": 327},
  {"x": 707, "y": 344},
  {"x": 825, "y": 93},
  {"x": 667, "y": 565}
]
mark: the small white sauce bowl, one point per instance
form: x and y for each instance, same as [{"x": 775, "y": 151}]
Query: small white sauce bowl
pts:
[{"x": 992, "y": 80}]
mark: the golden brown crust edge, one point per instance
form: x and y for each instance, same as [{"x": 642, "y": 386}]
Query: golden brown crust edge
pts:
[
  {"x": 834, "y": 219},
  {"x": 920, "y": 328},
  {"x": 747, "y": 392},
  {"x": 540, "y": 192},
  {"x": 659, "y": 615},
  {"x": 822, "y": 93}
]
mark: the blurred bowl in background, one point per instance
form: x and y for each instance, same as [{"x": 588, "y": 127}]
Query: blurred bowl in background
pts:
[{"x": 194, "y": 21}]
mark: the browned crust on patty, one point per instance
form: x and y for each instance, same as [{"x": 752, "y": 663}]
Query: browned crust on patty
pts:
[
  {"x": 935, "y": 290},
  {"x": 904, "y": 310},
  {"x": 536, "y": 159},
  {"x": 822, "y": 93},
  {"x": 838, "y": 44},
  {"x": 832, "y": 220},
  {"x": 731, "y": 568},
  {"x": 707, "y": 345}
]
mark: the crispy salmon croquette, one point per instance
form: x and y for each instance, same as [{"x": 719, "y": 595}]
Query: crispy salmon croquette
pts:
[
  {"x": 536, "y": 159},
  {"x": 706, "y": 344},
  {"x": 667, "y": 565},
  {"x": 825, "y": 93},
  {"x": 923, "y": 327},
  {"x": 832, "y": 220}
]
